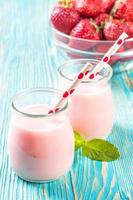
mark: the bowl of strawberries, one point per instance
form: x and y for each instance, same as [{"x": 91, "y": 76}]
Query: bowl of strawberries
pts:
[{"x": 88, "y": 28}]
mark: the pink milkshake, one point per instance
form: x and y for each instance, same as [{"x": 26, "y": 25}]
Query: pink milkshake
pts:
[
  {"x": 92, "y": 108},
  {"x": 41, "y": 147}
]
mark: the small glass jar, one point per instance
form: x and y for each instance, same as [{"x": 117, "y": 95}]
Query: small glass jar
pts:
[
  {"x": 92, "y": 107},
  {"x": 41, "y": 146}
]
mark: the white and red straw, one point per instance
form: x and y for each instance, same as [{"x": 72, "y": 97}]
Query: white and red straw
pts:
[
  {"x": 85, "y": 70},
  {"x": 90, "y": 73}
]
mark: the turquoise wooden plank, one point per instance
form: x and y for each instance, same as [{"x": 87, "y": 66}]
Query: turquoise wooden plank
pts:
[
  {"x": 123, "y": 126},
  {"x": 29, "y": 59}
]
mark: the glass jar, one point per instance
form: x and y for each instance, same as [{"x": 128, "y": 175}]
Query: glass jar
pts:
[
  {"x": 41, "y": 146},
  {"x": 92, "y": 107}
]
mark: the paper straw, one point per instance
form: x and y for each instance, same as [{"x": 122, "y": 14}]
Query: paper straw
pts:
[
  {"x": 84, "y": 72},
  {"x": 91, "y": 74},
  {"x": 106, "y": 58}
]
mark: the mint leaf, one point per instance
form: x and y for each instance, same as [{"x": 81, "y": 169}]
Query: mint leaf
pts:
[
  {"x": 101, "y": 150},
  {"x": 79, "y": 141},
  {"x": 96, "y": 149}
]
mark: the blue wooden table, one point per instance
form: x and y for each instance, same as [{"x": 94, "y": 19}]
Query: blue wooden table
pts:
[{"x": 28, "y": 58}]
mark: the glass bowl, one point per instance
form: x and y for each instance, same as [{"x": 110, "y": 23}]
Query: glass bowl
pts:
[{"x": 75, "y": 47}]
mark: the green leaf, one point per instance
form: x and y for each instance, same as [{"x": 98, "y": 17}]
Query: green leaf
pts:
[
  {"x": 79, "y": 141},
  {"x": 101, "y": 150},
  {"x": 96, "y": 149}
]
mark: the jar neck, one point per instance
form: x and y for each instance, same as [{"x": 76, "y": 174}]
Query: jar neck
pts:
[
  {"x": 32, "y": 102},
  {"x": 70, "y": 70}
]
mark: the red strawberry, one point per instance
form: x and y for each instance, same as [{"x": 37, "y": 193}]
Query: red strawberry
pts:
[
  {"x": 85, "y": 29},
  {"x": 103, "y": 48},
  {"x": 92, "y": 8},
  {"x": 129, "y": 28},
  {"x": 88, "y": 9},
  {"x": 129, "y": 31},
  {"x": 107, "y": 5},
  {"x": 102, "y": 18},
  {"x": 113, "y": 29},
  {"x": 129, "y": 12},
  {"x": 119, "y": 9},
  {"x": 123, "y": 10},
  {"x": 64, "y": 19}
]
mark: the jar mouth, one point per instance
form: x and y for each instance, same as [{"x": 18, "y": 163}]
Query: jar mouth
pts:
[
  {"x": 106, "y": 73},
  {"x": 25, "y": 92}
]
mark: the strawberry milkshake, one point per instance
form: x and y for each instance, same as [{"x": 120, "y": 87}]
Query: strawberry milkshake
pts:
[
  {"x": 41, "y": 146},
  {"x": 91, "y": 108}
]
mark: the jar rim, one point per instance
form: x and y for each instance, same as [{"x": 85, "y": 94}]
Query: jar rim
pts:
[
  {"x": 39, "y": 89},
  {"x": 78, "y": 61}
]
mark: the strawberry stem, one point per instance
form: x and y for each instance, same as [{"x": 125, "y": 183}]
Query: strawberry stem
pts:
[
  {"x": 66, "y": 3},
  {"x": 94, "y": 24}
]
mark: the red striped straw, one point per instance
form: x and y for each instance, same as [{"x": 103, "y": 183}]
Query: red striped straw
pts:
[{"x": 90, "y": 73}]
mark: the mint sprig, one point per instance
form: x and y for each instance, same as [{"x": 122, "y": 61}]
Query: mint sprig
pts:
[{"x": 97, "y": 149}]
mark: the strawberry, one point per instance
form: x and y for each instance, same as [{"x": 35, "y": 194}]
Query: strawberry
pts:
[
  {"x": 102, "y": 18},
  {"x": 107, "y": 5},
  {"x": 119, "y": 9},
  {"x": 64, "y": 18},
  {"x": 129, "y": 31},
  {"x": 92, "y": 8},
  {"x": 123, "y": 9},
  {"x": 113, "y": 29},
  {"x": 85, "y": 29},
  {"x": 103, "y": 48},
  {"x": 129, "y": 12},
  {"x": 129, "y": 28},
  {"x": 88, "y": 9}
]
